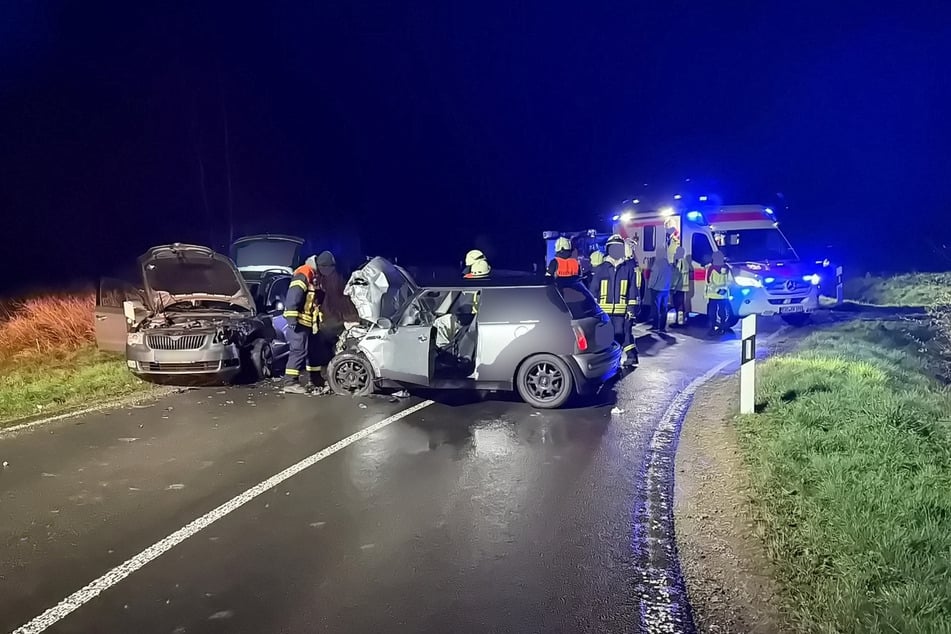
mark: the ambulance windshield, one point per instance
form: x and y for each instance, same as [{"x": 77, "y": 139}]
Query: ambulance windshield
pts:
[{"x": 755, "y": 245}]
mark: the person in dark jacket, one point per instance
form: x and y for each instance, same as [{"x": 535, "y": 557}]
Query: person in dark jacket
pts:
[
  {"x": 334, "y": 309},
  {"x": 659, "y": 286},
  {"x": 614, "y": 283}
]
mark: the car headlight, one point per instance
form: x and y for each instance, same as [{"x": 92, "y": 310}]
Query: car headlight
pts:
[
  {"x": 814, "y": 279},
  {"x": 746, "y": 280},
  {"x": 135, "y": 338}
]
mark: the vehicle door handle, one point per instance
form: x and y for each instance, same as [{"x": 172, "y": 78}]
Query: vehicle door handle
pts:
[{"x": 422, "y": 338}]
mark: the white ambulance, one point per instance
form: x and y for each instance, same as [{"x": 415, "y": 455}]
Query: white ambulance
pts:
[{"x": 769, "y": 277}]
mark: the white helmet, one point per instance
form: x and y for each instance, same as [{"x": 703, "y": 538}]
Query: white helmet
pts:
[
  {"x": 480, "y": 268},
  {"x": 474, "y": 256}
]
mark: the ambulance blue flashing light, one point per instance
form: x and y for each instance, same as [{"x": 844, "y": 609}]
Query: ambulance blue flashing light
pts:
[
  {"x": 703, "y": 199},
  {"x": 696, "y": 217},
  {"x": 770, "y": 212},
  {"x": 677, "y": 196}
]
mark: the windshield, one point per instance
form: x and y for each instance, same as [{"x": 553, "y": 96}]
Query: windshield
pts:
[
  {"x": 187, "y": 276},
  {"x": 754, "y": 245}
]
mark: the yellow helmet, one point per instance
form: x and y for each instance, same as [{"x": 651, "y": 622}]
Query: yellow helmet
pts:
[
  {"x": 480, "y": 268},
  {"x": 596, "y": 258},
  {"x": 562, "y": 244},
  {"x": 474, "y": 256}
]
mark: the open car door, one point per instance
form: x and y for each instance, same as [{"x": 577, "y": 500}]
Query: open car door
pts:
[
  {"x": 266, "y": 252},
  {"x": 109, "y": 315}
]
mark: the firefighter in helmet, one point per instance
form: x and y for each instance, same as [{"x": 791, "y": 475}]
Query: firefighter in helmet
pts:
[
  {"x": 300, "y": 311},
  {"x": 564, "y": 264},
  {"x": 472, "y": 257},
  {"x": 614, "y": 282}
]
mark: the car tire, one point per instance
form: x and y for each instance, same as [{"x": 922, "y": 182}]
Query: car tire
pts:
[
  {"x": 732, "y": 318},
  {"x": 796, "y": 320},
  {"x": 262, "y": 360},
  {"x": 350, "y": 374},
  {"x": 544, "y": 381}
]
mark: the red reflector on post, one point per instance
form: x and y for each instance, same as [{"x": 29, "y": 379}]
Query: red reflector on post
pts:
[{"x": 581, "y": 339}]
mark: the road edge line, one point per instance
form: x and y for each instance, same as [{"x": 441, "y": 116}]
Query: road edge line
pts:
[
  {"x": 93, "y": 589},
  {"x": 670, "y": 606}
]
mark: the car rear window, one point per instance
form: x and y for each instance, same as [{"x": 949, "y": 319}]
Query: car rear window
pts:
[{"x": 580, "y": 302}]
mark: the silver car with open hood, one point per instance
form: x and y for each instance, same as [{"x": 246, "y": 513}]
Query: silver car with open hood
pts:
[
  {"x": 545, "y": 339},
  {"x": 201, "y": 318}
]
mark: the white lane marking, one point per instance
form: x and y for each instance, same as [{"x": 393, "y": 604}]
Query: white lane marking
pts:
[
  {"x": 132, "y": 400},
  {"x": 120, "y": 572}
]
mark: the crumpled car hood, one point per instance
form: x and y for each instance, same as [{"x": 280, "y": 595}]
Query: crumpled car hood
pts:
[{"x": 379, "y": 289}]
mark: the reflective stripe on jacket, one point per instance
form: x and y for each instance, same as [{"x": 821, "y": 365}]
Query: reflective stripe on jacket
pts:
[
  {"x": 615, "y": 284},
  {"x": 718, "y": 283},
  {"x": 299, "y": 306}
]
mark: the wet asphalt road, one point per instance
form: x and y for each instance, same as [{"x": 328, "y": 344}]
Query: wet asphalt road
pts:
[{"x": 465, "y": 516}]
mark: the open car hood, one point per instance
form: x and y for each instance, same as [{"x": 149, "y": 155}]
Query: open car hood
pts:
[
  {"x": 176, "y": 273},
  {"x": 266, "y": 252},
  {"x": 379, "y": 289}
]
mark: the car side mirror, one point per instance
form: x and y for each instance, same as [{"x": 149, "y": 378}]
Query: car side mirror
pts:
[{"x": 384, "y": 323}]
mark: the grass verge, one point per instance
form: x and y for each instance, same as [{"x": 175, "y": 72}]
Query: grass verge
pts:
[
  {"x": 850, "y": 463},
  {"x": 49, "y": 362},
  {"x": 50, "y": 386},
  {"x": 910, "y": 289}
]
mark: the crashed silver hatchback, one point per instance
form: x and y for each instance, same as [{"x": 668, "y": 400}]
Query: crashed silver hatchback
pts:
[
  {"x": 200, "y": 319},
  {"x": 547, "y": 340}
]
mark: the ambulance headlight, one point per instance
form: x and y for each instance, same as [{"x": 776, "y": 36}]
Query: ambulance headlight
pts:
[
  {"x": 813, "y": 279},
  {"x": 627, "y": 216},
  {"x": 135, "y": 338},
  {"x": 747, "y": 280}
]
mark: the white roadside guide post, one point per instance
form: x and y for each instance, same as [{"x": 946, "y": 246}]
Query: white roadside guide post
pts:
[{"x": 748, "y": 365}]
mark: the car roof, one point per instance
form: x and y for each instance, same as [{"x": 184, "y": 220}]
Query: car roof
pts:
[{"x": 490, "y": 282}]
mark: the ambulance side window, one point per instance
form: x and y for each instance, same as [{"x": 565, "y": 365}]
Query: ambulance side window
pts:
[
  {"x": 702, "y": 250},
  {"x": 649, "y": 245}
]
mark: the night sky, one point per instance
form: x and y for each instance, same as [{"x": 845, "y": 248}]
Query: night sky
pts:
[{"x": 422, "y": 129}]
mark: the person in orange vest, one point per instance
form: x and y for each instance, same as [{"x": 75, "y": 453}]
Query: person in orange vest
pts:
[
  {"x": 300, "y": 311},
  {"x": 564, "y": 264}
]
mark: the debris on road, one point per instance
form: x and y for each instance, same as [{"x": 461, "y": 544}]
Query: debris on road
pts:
[
  {"x": 175, "y": 487},
  {"x": 362, "y": 405},
  {"x": 617, "y": 410},
  {"x": 401, "y": 394},
  {"x": 5, "y": 464}
]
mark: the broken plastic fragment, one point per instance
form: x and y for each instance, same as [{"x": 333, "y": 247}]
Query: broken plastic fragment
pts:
[
  {"x": 617, "y": 410},
  {"x": 401, "y": 394}
]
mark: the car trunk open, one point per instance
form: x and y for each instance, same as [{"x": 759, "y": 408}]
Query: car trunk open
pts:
[{"x": 266, "y": 252}]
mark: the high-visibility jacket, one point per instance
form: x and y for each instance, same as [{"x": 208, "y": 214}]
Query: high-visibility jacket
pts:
[
  {"x": 683, "y": 271},
  {"x": 564, "y": 267},
  {"x": 615, "y": 284},
  {"x": 299, "y": 304},
  {"x": 718, "y": 283}
]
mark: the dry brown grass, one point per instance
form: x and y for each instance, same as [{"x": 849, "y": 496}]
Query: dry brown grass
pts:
[{"x": 57, "y": 324}]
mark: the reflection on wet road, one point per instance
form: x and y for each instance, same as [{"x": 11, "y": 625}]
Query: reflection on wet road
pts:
[{"x": 468, "y": 515}]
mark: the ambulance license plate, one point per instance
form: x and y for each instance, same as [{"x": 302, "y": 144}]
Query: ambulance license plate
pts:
[{"x": 791, "y": 309}]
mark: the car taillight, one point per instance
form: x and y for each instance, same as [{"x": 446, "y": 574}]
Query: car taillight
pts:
[{"x": 581, "y": 339}]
